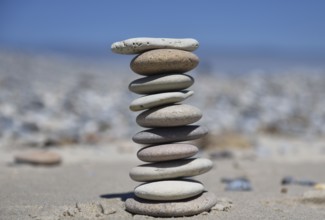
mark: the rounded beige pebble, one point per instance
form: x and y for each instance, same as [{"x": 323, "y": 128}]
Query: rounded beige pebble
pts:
[
  {"x": 164, "y": 61},
  {"x": 170, "y": 169},
  {"x": 38, "y": 157},
  {"x": 169, "y": 116},
  {"x": 314, "y": 196},
  {"x": 159, "y": 99},
  {"x": 165, "y": 152},
  {"x": 186, "y": 207},
  {"x": 161, "y": 83},
  {"x": 142, "y": 44},
  {"x": 169, "y": 190},
  {"x": 320, "y": 186},
  {"x": 170, "y": 134}
]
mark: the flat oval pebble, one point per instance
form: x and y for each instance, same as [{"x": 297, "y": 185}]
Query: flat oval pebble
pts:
[
  {"x": 142, "y": 44},
  {"x": 170, "y": 169},
  {"x": 171, "y": 134},
  {"x": 169, "y": 190},
  {"x": 169, "y": 116},
  {"x": 186, "y": 207},
  {"x": 38, "y": 158},
  {"x": 166, "y": 152},
  {"x": 161, "y": 83},
  {"x": 319, "y": 186},
  {"x": 164, "y": 61},
  {"x": 154, "y": 100}
]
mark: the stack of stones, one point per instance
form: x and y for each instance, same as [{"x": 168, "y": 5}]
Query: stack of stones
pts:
[{"x": 166, "y": 191}]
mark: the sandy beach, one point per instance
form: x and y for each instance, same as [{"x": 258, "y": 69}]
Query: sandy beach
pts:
[{"x": 92, "y": 183}]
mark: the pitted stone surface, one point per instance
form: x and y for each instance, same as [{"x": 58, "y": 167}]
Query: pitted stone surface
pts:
[
  {"x": 165, "y": 152},
  {"x": 142, "y": 44},
  {"x": 170, "y": 169},
  {"x": 169, "y": 116},
  {"x": 169, "y": 190},
  {"x": 164, "y": 61},
  {"x": 161, "y": 83},
  {"x": 186, "y": 207},
  {"x": 159, "y": 99},
  {"x": 171, "y": 134}
]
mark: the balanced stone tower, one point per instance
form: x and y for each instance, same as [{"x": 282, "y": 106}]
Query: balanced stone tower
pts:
[{"x": 167, "y": 191}]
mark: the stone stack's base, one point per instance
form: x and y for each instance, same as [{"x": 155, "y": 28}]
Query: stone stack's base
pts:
[{"x": 185, "y": 207}]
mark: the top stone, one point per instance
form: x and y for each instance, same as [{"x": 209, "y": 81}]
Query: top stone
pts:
[{"x": 142, "y": 44}]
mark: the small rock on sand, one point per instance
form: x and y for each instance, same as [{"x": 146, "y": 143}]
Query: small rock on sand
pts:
[
  {"x": 38, "y": 157},
  {"x": 320, "y": 186},
  {"x": 314, "y": 196}
]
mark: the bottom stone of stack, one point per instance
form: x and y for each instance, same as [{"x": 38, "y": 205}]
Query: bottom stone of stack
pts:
[{"x": 185, "y": 207}]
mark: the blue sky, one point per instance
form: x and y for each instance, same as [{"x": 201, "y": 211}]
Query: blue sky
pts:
[{"x": 297, "y": 25}]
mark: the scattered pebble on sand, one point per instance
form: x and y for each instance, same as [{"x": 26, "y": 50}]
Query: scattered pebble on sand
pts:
[
  {"x": 314, "y": 196},
  {"x": 237, "y": 184},
  {"x": 38, "y": 157},
  {"x": 320, "y": 186}
]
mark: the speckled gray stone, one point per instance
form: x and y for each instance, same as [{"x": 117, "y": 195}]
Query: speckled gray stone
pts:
[
  {"x": 171, "y": 169},
  {"x": 164, "y": 61},
  {"x": 161, "y": 83},
  {"x": 142, "y": 44},
  {"x": 159, "y": 99},
  {"x": 169, "y": 190},
  {"x": 169, "y": 116},
  {"x": 171, "y": 134},
  {"x": 166, "y": 152},
  {"x": 186, "y": 207}
]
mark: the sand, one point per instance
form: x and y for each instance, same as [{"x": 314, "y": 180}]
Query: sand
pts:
[{"x": 92, "y": 183}]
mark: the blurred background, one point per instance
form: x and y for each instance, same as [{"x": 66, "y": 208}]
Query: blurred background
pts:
[{"x": 261, "y": 76}]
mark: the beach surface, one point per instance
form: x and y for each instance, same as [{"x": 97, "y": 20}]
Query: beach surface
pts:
[{"x": 92, "y": 182}]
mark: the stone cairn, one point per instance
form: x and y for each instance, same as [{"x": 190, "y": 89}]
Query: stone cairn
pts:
[{"x": 166, "y": 191}]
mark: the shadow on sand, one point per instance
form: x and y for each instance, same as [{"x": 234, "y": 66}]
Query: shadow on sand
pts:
[{"x": 122, "y": 196}]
